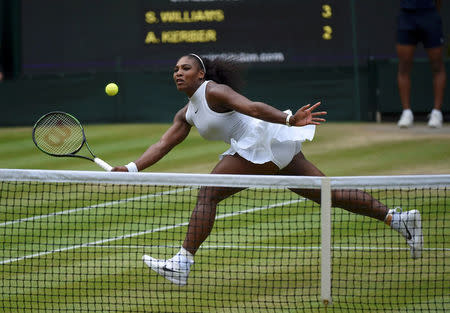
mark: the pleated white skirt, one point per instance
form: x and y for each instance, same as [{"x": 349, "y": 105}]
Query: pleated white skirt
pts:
[{"x": 264, "y": 142}]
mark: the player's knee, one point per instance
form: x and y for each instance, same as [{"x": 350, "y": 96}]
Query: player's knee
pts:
[
  {"x": 209, "y": 195},
  {"x": 404, "y": 69},
  {"x": 437, "y": 67}
]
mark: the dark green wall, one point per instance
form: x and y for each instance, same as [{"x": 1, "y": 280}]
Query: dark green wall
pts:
[
  {"x": 10, "y": 50},
  {"x": 152, "y": 96}
]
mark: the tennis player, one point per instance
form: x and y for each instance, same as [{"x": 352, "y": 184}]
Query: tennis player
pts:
[
  {"x": 419, "y": 21},
  {"x": 262, "y": 139}
]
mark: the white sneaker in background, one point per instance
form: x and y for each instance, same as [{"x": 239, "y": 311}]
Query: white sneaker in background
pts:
[
  {"x": 409, "y": 224},
  {"x": 436, "y": 119},
  {"x": 175, "y": 269},
  {"x": 406, "y": 119}
]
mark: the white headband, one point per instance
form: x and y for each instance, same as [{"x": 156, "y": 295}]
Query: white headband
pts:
[{"x": 201, "y": 61}]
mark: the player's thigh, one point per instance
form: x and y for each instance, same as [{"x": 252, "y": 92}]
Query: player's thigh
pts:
[
  {"x": 407, "y": 39},
  {"x": 300, "y": 166},
  {"x": 407, "y": 33},
  {"x": 235, "y": 164},
  {"x": 405, "y": 55},
  {"x": 431, "y": 29}
]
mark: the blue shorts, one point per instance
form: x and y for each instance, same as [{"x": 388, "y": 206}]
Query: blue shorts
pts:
[{"x": 424, "y": 25}]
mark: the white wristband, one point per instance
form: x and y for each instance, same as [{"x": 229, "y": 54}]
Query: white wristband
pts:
[
  {"x": 132, "y": 167},
  {"x": 288, "y": 117}
]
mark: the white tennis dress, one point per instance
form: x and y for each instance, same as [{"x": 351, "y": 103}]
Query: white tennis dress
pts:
[{"x": 253, "y": 139}]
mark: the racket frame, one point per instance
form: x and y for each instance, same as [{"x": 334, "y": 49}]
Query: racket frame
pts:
[{"x": 94, "y": 159}]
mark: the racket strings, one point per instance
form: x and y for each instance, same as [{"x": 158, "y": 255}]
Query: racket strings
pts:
[{"x": 59, "y": 134}]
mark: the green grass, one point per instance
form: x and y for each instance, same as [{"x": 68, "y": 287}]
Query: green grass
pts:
[
  {"x": 339, "y": 149},
  {"x": 265, "y": 261}
]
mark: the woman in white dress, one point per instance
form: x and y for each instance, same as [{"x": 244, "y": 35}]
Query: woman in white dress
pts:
[{"x": 262, "y": 142}]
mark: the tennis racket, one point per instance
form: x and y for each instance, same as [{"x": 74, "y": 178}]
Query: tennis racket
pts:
[{"x": 60, "y": 134}]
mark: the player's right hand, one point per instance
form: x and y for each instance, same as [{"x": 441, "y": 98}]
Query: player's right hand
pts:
[{"x": 119, "y": 169}]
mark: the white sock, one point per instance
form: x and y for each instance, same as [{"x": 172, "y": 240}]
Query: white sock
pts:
[
  {"x": 394, "y": 217},
  {"x": 408, "y": 111},
  {"x": 184, "y": 253},
  {"x": 437, "y": 111},
  {"x": 184, "y": 258},
  {"x": 395, "y": 222}
]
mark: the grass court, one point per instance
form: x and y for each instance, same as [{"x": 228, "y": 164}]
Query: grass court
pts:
[{"x": 78, "y": 248}]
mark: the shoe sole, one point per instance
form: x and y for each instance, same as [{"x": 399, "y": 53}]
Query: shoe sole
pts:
[{"x": 416, "y": 249}]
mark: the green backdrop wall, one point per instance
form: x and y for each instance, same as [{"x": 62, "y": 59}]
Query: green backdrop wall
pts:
[{"x": 152, "y": 96}]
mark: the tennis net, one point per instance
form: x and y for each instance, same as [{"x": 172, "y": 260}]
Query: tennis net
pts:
[{"x": 72, "y": 242}]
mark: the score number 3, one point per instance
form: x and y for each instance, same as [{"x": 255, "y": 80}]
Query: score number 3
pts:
[{"x": 327, "y": 13}]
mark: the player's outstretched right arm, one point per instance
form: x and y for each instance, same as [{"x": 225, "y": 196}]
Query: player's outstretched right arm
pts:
[{"x": 172, "y": 137}]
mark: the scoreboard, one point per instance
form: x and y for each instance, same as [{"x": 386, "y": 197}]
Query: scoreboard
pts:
[
  {"x": 102, "y": 35},
  {"x": 265, "y": 32}
]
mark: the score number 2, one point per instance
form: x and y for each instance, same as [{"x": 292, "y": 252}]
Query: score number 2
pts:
[{"x": 327, "y": 13}]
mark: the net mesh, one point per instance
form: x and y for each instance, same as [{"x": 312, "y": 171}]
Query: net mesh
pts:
[{"x": 73, "y": 242}]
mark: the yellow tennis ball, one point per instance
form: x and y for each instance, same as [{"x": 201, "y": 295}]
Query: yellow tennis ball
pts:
[{"x": 111, "y": 89}]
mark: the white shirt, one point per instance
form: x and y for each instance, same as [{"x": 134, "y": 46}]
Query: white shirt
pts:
[
  {"x": 213, "y": 125},
  {"x": 255, "y": 140}
]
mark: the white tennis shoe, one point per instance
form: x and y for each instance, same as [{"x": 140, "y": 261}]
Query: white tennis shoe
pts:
[
  {"x": 406, "y": 119},
  {"x": 175, "y": 269},
  {"x": 409, "y": 224},
  {"x": 436, "y": 119}
]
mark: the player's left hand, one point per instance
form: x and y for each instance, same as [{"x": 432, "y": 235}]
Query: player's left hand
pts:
[{"x": 306, "y": 116}]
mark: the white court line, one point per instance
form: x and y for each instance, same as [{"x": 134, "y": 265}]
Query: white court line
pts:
[
  {"x": 99, "y": 242},
  {"x": 101, "y": 205}
]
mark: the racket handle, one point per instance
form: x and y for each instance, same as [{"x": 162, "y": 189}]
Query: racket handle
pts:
[{"x": 103, "y": 164}]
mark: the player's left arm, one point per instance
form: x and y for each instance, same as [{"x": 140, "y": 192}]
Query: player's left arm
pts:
[
  {"x": 226, "y": 98},
  {"x": 438, "y": 4}
]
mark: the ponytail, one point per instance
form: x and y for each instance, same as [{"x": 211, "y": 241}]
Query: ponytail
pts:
[{"x": 222, "y": 71}]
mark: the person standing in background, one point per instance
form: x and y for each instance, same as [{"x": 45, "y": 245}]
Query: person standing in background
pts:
[{"x": 419, "y": 21}]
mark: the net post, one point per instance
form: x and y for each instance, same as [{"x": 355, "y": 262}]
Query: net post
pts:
[{"x": 325, "y": 229}]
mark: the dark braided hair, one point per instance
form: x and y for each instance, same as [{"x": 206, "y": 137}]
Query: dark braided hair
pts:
[{"x": 223, "y": 71}]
